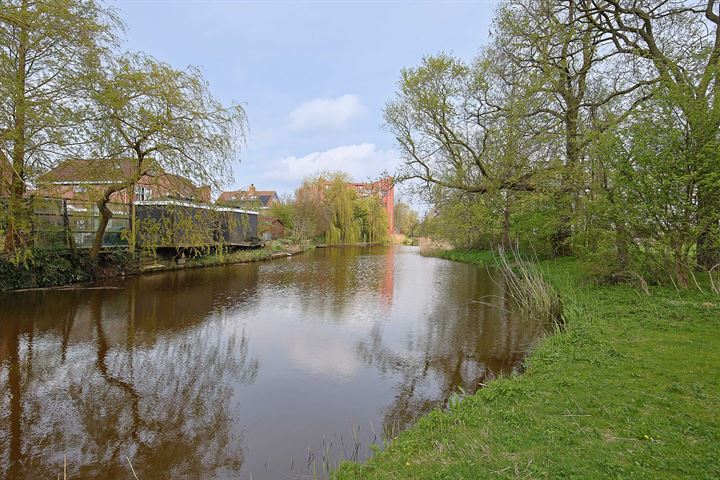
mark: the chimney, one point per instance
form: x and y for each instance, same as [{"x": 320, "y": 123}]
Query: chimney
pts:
[{"x": 251, "y": 189}]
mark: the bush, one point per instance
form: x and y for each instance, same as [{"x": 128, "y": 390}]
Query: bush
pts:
[{"x": 46, "y": 267}]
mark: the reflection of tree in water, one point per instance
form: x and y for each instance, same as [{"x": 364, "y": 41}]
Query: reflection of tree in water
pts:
[
  {"x": 327, "y": 279},
  {"x": 164, "y": 403},
  {"x": 463, "y": 343}
]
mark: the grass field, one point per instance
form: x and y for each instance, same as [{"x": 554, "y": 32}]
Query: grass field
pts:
[{"x": 629, "y": 389}]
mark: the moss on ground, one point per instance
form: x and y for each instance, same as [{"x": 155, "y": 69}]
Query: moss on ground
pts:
[{"x": 629, "y": 389}]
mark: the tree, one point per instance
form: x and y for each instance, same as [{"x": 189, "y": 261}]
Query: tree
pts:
[
  {"x": 680, "y": 41},
  {"x": 162, "y": 118},
  {"x": 48, "y": 49},
  {"x": 406, "y": 219},
  {"x": 311, "y": 216},
  {"x": 284, "y": 210},
  {"x": 326, "y": 206},
  {"x": 344, "y": 226},
  {"x": 568, "y": 71},
  {"x": 372, "y": 218},
  {"x": 463, "y": 128},
  {"x": 653, "y": 178}
]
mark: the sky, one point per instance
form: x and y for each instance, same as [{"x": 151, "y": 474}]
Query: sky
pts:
[{"x": 312, "y": 76}]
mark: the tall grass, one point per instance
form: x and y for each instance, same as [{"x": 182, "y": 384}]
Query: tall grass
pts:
[{"x": 524, "y": 282}]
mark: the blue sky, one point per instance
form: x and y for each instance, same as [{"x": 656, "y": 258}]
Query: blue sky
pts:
[{"x": 313, "y": 76}]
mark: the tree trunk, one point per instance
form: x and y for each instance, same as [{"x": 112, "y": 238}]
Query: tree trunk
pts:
[
  {"x": 506, "y": 243},
  {"x": 69, "y": 238},
  {"x": 560, "y": 238},
  {"x": 17, "y": 216},
  {"x": 105, "y": 215},
  {"x": 681, "y": 270}
]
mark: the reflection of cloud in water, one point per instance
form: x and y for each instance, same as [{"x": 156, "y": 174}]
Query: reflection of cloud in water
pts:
[{"x": 324, "y": 354}]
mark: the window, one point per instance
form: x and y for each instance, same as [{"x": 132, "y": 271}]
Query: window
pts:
[
  {"x": 142, "y": 193},
  {"x": 79, "y": 189}
]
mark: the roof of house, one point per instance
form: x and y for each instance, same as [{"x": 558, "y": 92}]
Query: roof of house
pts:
[
  {"x": 268, "y": 219},
  {"x": 95, "y": 170},
  {"x": 263, "y": 196},
  {"x": 121, "y": 170}
]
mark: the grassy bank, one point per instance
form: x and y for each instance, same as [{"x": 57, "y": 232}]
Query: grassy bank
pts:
[{"x": 630, "y": 389}]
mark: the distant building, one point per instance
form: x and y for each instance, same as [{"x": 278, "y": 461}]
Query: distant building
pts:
[
  {"x": 383, "y": 189},
  {"x": 250, "y": 198},
  {"x": 81, "y": 179},
  {"x": 270, "y": 228}
]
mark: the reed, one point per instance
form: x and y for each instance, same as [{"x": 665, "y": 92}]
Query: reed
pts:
[{"x": 524, "y": 282}]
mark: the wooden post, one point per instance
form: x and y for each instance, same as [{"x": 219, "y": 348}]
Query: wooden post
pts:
[
  {"x": 132, "y": 239},
  {"x": 69, "y": 238}
]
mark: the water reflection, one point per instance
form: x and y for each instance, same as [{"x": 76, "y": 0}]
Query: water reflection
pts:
[
  {"x": 106, "y": 380},
  {"x": 232, "y": 371},
  {"x": 468, "y": 337}
]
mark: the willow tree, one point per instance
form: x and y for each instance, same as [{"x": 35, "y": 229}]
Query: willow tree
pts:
[
  {"x": 311, "y": 215},
  {"x": 373, "y": 219},
  {"x": 163, "y": 119},
  {"x": 48, "y": 48},
  {"x": 344, "y": 227}
]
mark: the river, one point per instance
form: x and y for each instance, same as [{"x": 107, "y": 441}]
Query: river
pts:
[{"x": 264, "y": 370}]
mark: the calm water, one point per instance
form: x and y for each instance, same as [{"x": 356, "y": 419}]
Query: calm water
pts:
[{"x": 265, "y": 369}]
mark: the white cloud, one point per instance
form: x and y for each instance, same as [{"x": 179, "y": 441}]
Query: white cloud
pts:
[
  {"x": 360, "y": 162},
  {"x": 326, "y": 113}
]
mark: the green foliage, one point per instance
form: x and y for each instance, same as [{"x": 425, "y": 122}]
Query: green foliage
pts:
[
  {"x": 344, "y": 226},
  {"x": 573, "y": 132},
  {"x": 407, "y": 220},
  {"x": 284, "y": 210},
  {"x": 48, "y": 52},
  {"x": 164, "y": 119},
  {"x": 46, "y": 267},
  {"x": 326, "y": 206}
]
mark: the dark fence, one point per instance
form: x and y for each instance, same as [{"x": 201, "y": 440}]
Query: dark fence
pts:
[{"x": 56, "y": 222}]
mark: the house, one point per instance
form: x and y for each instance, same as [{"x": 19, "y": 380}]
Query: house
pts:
[
  {"x": 271, "y": 228},
  {"x": 86, "y": 179},
  {"x": 250, "y": 198}
]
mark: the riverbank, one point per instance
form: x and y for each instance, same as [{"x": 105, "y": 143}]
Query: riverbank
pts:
[
  {"x": 52, "y": 268},
  {"x": 629, "y": 389},
  {"x": 225, "y": 258}
]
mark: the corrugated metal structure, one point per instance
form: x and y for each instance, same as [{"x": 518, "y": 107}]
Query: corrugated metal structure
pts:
[{"x": 182, "y": 224}]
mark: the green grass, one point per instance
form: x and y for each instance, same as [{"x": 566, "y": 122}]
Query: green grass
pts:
[{"x": 629, "y": 389}]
